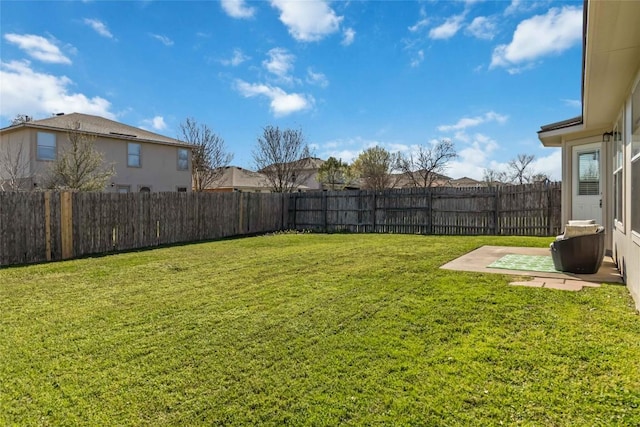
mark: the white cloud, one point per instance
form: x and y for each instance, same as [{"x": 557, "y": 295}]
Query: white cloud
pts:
[
  {"x": 308, "y": 21},
  {"x": 521, "y": 6},
  {"x": 99, "y": 27},
  {"x": 447, "y": 30},
  {"x": 423, "y": 22},
  {"x": 573, "y": 103},
  {"x": 514, "y": 7},
  {"x": 38, "y": 48},
  {"x": 25, "y": 91},
  {"x": 156, "y": 123},
  {"x": 282, "y": 103},
  {"x": 347, "y": 149},
  {"x": 419, "y": 25},
  {"x": 317, "y": 79},
  {"x": 280, "y": 63},
  {"x": 482, "y": 28},
  {"x": 551, "y": 164},
  {"x": 348, "y": 36},
  {"x": 474, "y": 158},
  {"x": 467, "y": 122},
  {"x": 541, "y": 35},
  {"x": 237, "y": 9},
  {"x": 236, "y": 59},
  {"x": 417, "y": 60},
  {"x": 163, "y": 39}
]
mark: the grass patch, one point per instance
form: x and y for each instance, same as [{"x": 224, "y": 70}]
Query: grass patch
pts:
[{"x": 308, "y": 329}]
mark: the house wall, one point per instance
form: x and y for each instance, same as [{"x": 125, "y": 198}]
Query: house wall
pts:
[
  {"x": 159, "y": 166},
  {"x": 158, "y": 171},
  {"x": 568, "y": 178},
  {"x": 626, "y": 242},
  {"x": 15, "y": 147},
  {"x": 621, "y": 242}
]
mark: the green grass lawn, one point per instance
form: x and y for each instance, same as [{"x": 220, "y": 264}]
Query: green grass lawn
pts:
[{"x": 306, "y": 329}]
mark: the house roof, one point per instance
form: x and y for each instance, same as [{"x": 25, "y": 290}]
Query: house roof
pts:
[
  {"x": 307, "y": 163},
  {"x": 465, "y": 181},
  {"x": 611, "y": 57},
  {"x": 237, "y": 177},
  {"x": 97, "y": 126}
]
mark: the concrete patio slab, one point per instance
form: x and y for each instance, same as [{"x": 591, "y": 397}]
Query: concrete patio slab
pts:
[
  {"x": 479, "y": 259},
  {"x": 569, "y": 285},
  {"x": 530, "y": 284}
]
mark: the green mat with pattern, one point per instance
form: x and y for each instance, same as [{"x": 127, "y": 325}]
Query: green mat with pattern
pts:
[{"x": 525, "y": 262}]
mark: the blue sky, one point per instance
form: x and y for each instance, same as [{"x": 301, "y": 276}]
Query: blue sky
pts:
[{"x": 349, "y": 74}]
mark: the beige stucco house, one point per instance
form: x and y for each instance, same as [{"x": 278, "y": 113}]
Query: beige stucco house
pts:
[
  {"x": 237, "y": 179},
  {"x": 601, "y": 148},
  {"x": 240, "y": 180},
  {"x": 143, "y": 161}
]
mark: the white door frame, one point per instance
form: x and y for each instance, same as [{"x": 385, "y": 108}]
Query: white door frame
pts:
[{"x": 586, "y": 206}]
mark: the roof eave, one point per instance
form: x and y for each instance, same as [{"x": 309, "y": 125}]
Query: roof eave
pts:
[
  {"x": 553, "y": 137},
  {"x": 97, "y": 134}
]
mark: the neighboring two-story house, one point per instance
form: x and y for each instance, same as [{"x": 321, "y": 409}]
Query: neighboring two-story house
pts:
[{"x": 143, "y": 161}]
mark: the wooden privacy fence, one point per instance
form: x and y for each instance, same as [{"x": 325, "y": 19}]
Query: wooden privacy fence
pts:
[
  {"x": 43, "y": 226},
  {"x": 524, "y": 210}
]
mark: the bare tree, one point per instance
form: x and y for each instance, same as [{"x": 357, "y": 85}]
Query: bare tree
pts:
[
  {"x": 281, "y": 155},
  {"x": 80, "y": 166},
  {"x": 209, "y": 155},
  {"x": 493, "y": 177},
  {"x": 335, "y": 174},
  {"x": 19, "y": 119},
  {"x": 14, "y": 167},
  {"x": 375, "y": 165},
  {"x": 540, "y": 177},
  {"x": 520, "y": 168},
  {"x": 428, "y": 163}
]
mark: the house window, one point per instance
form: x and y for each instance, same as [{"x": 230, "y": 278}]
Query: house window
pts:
[
  {"x": 183, "y": 159},
  {"x": 618, "y": 177},
  {"x": 635, "y": 122},
  {"x": 144, "y": 189},
  {"x": 635, "y": 195},
  {"x": 635, "y": 159},
  {"x": 134, "y": 155},
  {"x": 46, "y": 149},
  {"x": 182, "y": 189},
  {"x": 123, "y": 189},
  {"x": 589, "y": 173}
]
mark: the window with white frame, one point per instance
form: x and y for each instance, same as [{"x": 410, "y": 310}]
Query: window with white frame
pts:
[
  {"x": 134, "y": 155},
  {"x": 46, "y": 148},
  {"x": 183, "y": 159},
  {"x": 589, "y": 173},
  {"x": 618, "y": 175},
  {"x": 635, "y": 159}
]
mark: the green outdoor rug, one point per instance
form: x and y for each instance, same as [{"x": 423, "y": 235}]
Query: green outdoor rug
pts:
[{"x": 525, "y": 262}]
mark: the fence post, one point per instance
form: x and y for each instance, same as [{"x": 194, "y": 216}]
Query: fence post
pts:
[
  {"x": 66, "y": 224},
  {"x": 375, "y": 201},
  {"x": 284, "y": 205},
  {"x": 496, "y": 213},
  {"x": 549, "y": 210},
  {"x": 295, "y": 211},
  {"x": 47, "y": 224},
  {"x": 324, "y": 211},
  {"x": 240, "y": 213},
  {"x": 430, "y": 227}
]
